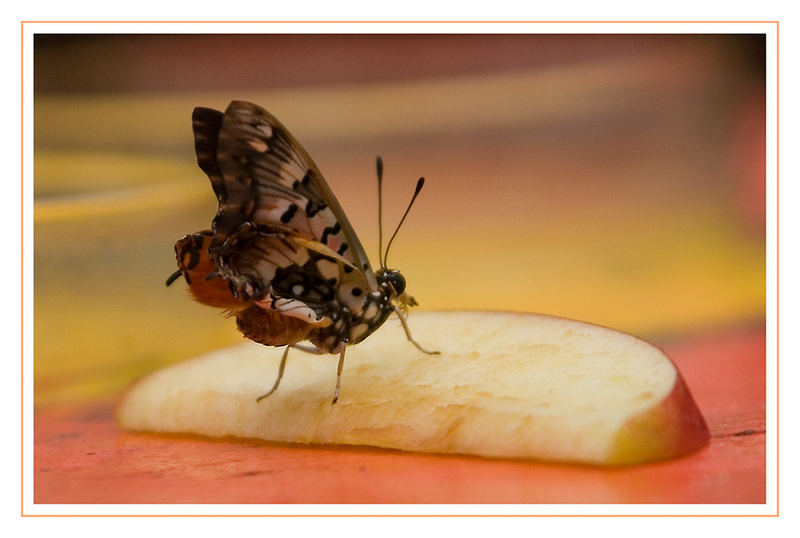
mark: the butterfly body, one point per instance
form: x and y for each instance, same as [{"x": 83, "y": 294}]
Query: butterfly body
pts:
[{"x": 281, "y": 255}]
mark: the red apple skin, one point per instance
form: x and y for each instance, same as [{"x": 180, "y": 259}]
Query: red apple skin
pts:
[{"x": 675, "y": 427}]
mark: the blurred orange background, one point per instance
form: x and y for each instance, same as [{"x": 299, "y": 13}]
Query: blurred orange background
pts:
[{"x": 616, "y": 179}]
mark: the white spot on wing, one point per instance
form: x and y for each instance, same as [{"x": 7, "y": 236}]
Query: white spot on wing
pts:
[
  {"x": 258, "y": 145},
  {"x": 371, "y": 311},
  {"x": 293, "y": 308},
  {"x": 345, "y": 293},
  {"x": 358, "y": 331},
  {"x": 266, "y": 128}
]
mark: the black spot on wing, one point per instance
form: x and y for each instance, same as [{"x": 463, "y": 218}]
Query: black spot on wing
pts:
[
  {"x": 289, "y": 214},
  {"x": 329, "y": 230},
  {"x": 313, "y": 207},
  {"x": 308, "y": 190}
]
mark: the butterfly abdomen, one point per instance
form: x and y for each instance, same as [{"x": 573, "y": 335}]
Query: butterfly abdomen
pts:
[{"x": 271, "y": 328}]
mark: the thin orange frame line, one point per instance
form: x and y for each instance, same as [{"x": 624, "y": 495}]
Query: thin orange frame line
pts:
[
  {"x": 400, "y": 515},
  {"x": 777, "y": 264},
  {"x": 22, "y": 265},
  {"x": 396, "y": 22},
  {"x": 777, "y": 255}
]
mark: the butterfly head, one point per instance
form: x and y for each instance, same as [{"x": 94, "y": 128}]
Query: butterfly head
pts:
[
  {"x": 393, "y": 284},
  {"x": 392, "y": 281}
]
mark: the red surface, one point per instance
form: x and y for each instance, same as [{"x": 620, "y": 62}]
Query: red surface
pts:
[{"x": 81, "y": 457}]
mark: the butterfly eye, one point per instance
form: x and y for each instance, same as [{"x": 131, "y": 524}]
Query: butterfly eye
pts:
[{"x": 397, "y": 281}]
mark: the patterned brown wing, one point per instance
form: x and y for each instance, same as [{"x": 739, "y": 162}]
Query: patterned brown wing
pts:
[{"x": 261, "y": 174}]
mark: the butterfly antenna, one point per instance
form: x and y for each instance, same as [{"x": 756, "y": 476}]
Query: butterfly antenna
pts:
[
  {"x": 379, "y": 166},
  {"x": 420, "y": 183}
]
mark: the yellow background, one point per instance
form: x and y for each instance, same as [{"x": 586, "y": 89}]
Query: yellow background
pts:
[{"x": 613, "y": 179}]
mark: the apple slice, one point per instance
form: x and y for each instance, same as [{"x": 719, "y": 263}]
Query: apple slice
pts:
[{"x": 505, "y": 385}]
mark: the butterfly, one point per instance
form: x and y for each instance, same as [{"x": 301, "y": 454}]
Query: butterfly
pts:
[{"x": 281, "y": 256}]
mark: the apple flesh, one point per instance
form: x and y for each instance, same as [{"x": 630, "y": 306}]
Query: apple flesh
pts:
[{"x": 505, "y": 385}]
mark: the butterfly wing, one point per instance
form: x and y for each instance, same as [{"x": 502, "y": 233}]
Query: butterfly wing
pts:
[
  {"x": 261, "y": 174},
  {"x": 280, "y": 236}
]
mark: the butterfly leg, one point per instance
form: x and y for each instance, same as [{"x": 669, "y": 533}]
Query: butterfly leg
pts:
[
  {"x": 339, "y": 375},
  {"x": 408, "y": 333},
  {"x": 309, "y": 349},
  {"x": 280, "y": 375}
]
